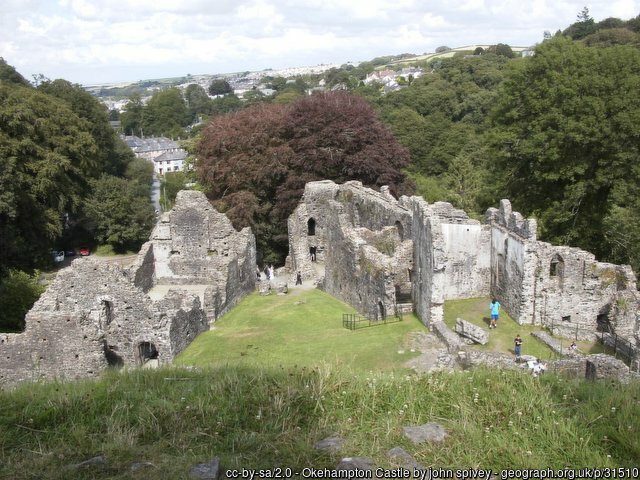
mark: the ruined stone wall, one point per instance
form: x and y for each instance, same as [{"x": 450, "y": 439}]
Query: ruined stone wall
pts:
[
  {"x": 451, "y": 257},
  {"x": 143, "y": 269},
  {"x": 362, "y": 256},
  {"x": 93, "y": 316},
  {"x": 428, "y": 262},
  {"x": 562, "y": 288},
  {"x": 96, "y": 314},
  {"x": 193, "y": 244},
  {"x": 308, "y": 229}
]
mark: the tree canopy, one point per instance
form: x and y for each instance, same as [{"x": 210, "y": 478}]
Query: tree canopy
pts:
[
  {"x": 567, "y": 146},
  {"x": 255, "y": 162}
]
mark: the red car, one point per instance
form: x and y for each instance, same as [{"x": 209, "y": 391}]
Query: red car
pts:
[{"x": 84, "y": 251}]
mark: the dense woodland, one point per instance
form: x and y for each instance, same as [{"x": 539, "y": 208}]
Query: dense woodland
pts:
[{"x": 558, "y": 133}]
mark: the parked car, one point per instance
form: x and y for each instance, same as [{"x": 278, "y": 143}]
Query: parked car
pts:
[
  {"x": 84, "y": 251},
  {"x": 58, "y": 256},
  {"x": 69, "y": 253}
]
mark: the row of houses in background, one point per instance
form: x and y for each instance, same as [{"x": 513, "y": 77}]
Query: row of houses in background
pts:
[{"x": 166, "y": 154}]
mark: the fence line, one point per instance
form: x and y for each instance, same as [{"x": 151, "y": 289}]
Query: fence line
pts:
[{"x": 354, "y": 321}]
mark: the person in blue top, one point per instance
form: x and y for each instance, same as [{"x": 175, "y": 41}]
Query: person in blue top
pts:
[{"x": 495, "y": 311}]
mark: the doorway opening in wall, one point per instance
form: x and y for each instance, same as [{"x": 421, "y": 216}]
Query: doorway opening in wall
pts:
[
  {"x": 603, "y": 324},
  {"x": 311, "y": 227},
  {"x": 403, "y": 295},
  {"x": 312, "y": 253},
  {"x": 146, "y": 351},
  {"x": 381, "y": 311}
]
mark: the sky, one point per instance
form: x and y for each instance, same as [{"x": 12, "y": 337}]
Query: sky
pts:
[{"x": 105, "y": 41}]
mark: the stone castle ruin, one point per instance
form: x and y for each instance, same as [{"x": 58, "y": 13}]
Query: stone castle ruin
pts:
[
  {"x": 379, "y": 254},
  {"x": 194, "y": 268}
]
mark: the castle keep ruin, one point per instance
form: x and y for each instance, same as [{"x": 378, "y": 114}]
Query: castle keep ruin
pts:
[
  {"x": 379, "y": 254},
  {"x": 371, "y": 250},
  {"x": 194, "y": 268}
]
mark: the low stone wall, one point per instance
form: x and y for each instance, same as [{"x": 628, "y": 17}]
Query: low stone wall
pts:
[{"x": 451, "y": 339}]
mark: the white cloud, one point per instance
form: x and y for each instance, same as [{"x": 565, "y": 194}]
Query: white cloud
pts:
[{"x": 82, "y": 39}]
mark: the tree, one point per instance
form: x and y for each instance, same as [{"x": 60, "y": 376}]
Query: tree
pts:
[
  {"x": 566, "y": 140},
  {"x": 48, "y": 154},
  {"x": 254, "y": 163},
  {"x": 8, "y": 74},
  {"x": 220, "y": 87},
  {"x": 503, "y": 50},
  {"x": 18, "y": 292},
  {"x": 120, "y": 216},
  {"x": 166, "y": 114},
  {"x": 131, "y": 117},
  {"x": 583, "y": 27},
  {"x": 198, "y": 102},
  {"x": 112, "y": 155}
]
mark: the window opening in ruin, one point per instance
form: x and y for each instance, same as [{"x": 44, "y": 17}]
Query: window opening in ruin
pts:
[
  {"x": 506, "y": 246},
  {"x": 556, "y": 267},
  {"x": 603, "y": 324},
  {"x": 146, "y": 351},
  {"x": 113, "y": 359},
  {"x": 400, "y": 229},
  {"x": 381, "y": 311},
  {"x": 311, "y": 227},
  {"x": 566, "y": 318},
  {"x": 106, "y": 314},
  {"x": 312, "y": 253}
]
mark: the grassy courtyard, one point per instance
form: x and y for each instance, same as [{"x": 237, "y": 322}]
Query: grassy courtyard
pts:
[
  {"x": 476, "y": 311},
  {"x": 303, "y": 328}
]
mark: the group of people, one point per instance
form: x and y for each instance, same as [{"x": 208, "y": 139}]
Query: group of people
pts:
[{"x": 269, "y": 272}]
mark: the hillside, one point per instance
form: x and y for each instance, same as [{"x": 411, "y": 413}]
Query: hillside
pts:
[{"x": 271, "y": 393}]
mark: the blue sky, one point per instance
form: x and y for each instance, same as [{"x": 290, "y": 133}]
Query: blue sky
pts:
[{"x": 99, "y": 41}]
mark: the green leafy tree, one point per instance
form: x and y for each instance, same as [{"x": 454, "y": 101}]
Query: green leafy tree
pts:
[
  {"x": 112, "y": 155},
  {"x": 583, "y": 27},
  {"x": 566, "y": 139},
  {"x": 198, "y": 102},
  {"x": 613, "y": 36},
  {"x": 131, "y": 117},
  {"x": 8, "y": 74},
  {"x": 47, "y": 155},
  {"x": 18, "y": 292},
  {"x": 166, "y": 114},
  {"x": 226, "y": 104},
  {"x": 220, "y": 87},
  {"x": 121, "y": 217}
]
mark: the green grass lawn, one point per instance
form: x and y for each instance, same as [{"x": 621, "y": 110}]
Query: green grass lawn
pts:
[
  {"x": 303, "y": 328},
  {"x": 476, "y": 311}
]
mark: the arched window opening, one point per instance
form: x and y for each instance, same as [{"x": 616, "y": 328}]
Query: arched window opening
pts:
[
  {"x": 311, "y": 227},
  {"x": 146, "y": 351}
]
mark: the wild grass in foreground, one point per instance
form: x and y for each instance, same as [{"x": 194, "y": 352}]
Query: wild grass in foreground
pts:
[{"x": 253, "y": 418}]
